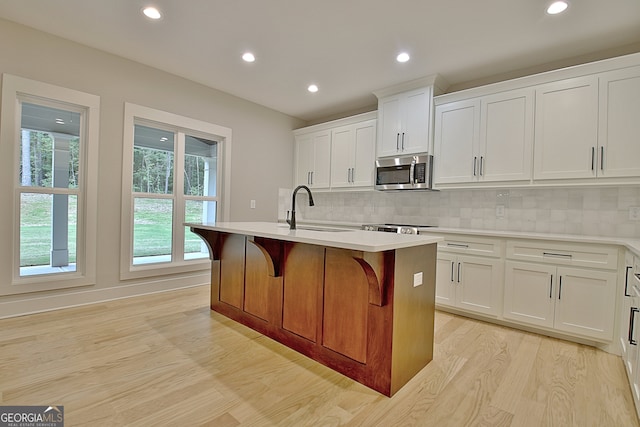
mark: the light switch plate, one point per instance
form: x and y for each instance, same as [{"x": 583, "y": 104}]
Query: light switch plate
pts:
[
  {"x": 634, "y": 213},
  {"x": 500, "y": 211}
]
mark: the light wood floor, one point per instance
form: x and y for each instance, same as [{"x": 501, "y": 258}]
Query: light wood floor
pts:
[{"x": 167, "y": 360}]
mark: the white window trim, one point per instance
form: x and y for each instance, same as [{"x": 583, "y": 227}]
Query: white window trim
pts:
[
  {"x": 134, "y": 114},
  {"x": 13, "y": 90}
]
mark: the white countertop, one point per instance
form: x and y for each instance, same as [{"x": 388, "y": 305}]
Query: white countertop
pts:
[
  {"x": 632, "y": 244},
  {"x": 358, "y": 240}
]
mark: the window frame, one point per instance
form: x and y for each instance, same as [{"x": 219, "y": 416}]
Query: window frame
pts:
[
  {"x": 146, "y": 116},
  {"x": 15, "y": 91}
]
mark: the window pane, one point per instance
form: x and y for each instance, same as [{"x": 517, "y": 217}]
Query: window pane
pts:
[
  {"x": 49, "y": 147},
  {"x": 200, "y": 166},
  {"x": 153, "y": 160},
  {"x": 152, "y": 237},
  {"x": 48, "y": 229},
  {"x": 197, "y": 211}
]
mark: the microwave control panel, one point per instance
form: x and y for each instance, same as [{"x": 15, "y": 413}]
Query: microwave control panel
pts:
[{"x": 419, "y": 173}]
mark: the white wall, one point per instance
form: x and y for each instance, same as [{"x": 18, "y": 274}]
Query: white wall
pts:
[{"x": 262, "y": 152}]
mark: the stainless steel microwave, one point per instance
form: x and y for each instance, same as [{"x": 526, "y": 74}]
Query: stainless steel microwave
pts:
[{"x": 404, "y": 173}]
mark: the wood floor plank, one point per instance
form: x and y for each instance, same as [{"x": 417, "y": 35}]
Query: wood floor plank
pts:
[{"x": 166, "y": 359}]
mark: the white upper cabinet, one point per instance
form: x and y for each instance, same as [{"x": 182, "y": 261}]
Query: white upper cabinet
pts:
[
  {"x": 577, "y": 125},
  {"x": 404, "y": 122},
  {"x": 405, "y": 116},
  {"x": 485, "y": 139},
  {"x": 566, "y": 129},
  {"x": 313, "y": 159},
  {"x": 506, "y": 136},
  {"x": 619, "y": 130},
  {"x": 353, "y": 155},
  {"x": 337, "y": 155},
  {"x": 456, "y": 140}
]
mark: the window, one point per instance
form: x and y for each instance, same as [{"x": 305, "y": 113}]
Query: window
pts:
[
  {"x": 173, "y": 170},
  {"x": 53, "y": 146}
]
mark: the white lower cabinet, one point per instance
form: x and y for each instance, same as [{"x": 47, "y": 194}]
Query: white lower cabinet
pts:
[
  {"x": 573, "y": 300},
  {"x": 469, "y": 283},
  {"x": 626, "y": 315},
  {"x": 630, "y": 357},
  {"x": 630, "y": 327},
  {"x": 569, "y": 288}
]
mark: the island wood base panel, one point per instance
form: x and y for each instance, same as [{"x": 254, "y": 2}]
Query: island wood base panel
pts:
[{"x": 358, "y": 313}]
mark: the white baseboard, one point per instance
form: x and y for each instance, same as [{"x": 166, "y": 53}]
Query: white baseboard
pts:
[{"x": 33, "y": 303}]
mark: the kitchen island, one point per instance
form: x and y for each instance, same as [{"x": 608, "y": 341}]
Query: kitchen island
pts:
[{"x": 359, "y": 302}]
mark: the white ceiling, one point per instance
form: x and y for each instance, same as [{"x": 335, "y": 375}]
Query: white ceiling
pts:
[{"x": 346, "y": 47}]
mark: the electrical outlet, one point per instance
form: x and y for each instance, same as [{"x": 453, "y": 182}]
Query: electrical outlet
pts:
[
  {"x": 634, "y": 213},
  {"x": 500, "y": 211},
  {"x": 417, "y": 279}
]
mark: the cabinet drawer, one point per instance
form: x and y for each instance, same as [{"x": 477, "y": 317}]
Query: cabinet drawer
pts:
[
  {"x": 472, "y": 245},
  {"x": 579, "y": 255}
]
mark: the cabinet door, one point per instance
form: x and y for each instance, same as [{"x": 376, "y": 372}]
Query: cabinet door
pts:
[
  {"x": 506, "y": 136},
  {"x": 304, "y": 159},
  {"x": 629, "y": 339},
  {"x": 633, "y": 357},
  {"x": 389, "y": 125},
  {"x": 480, "y": 284},
  {"x": 321, "y": 172},
  {"x": 586, "y": 302},
  {"x": 619, "y": 136},
  {"x": 625, "y": 311},
  {"x": 528, "y": 293},
  {"x": 364, "y": 155},
  {"x": 342, "y": 149},
  {"x": 566, "y": 129},
  {"x": 456, "y": 141},
  {"x": 416, "y": 116},
  {"x": 446, "y": 279}
]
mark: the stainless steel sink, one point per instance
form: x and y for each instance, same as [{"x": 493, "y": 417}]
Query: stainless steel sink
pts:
[{"x": 324, "y": 229}]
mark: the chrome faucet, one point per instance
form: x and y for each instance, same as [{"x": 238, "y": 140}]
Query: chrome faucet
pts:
[{"x": 292, "y": 221}]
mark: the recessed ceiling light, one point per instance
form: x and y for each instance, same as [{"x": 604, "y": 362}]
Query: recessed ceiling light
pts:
[
  {"x": 248, "y": 57},
  {"x": 403, "y": 57},
  {"x": 152, "y": 13},
  {"x": 312, "y": 88},
  {"x": 557, "y": 7}
]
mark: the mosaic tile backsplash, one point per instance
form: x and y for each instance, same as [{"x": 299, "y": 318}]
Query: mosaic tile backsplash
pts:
[{"x": 581, "y": 211}]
